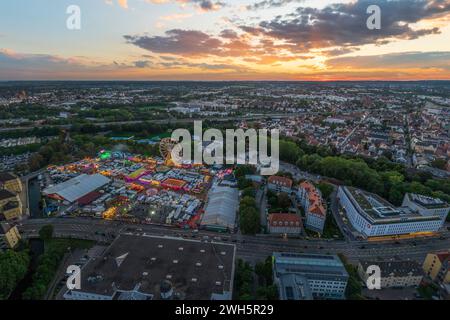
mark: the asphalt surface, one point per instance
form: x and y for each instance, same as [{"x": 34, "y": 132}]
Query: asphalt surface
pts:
[{"x": 250, "y": 248}]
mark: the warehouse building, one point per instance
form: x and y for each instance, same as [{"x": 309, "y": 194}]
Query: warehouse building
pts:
[
  {"x": 221, "y": 209},
  {"x": 373, "y": 216},
  {"x": 154, "y": 268},
  {"x": 76, "y": 188}
]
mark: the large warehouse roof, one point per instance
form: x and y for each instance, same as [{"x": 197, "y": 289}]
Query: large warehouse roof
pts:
[
  {"x": 221, "y": 208},
  {"x": 73, "y": 189}
]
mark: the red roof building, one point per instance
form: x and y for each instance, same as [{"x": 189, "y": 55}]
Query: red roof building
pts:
[{"x": 285, "y": 223}]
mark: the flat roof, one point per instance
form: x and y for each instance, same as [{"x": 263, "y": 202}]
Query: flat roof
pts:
[
  {"x": 310, "y": 265},
  {"x": 427, "y": 202},
  {"x": 379, "y": 211},
  {"x": 196, "y": 269}
]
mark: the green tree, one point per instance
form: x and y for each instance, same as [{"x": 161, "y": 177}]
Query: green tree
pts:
[
  {"x": 46, "y": 232},
  {"x": 13, "y": 268}
]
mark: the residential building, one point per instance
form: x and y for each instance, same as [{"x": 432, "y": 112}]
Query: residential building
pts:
[
  {"x": 311, "y": 201},
  {"x": 437, "y": 267},
  {"x": 394, "y": 274},
  {"x": 10, "y": 205},
  {"x": 153, "y": 268},
  {"x": 10, "y": 182},
  {"x": 279, "y": 184},
  {"x": 325, "y": 275},
  {"x": 9, "y": 236},
  {"x": 373, "y": 216},
  {"x": 284, "y": 223}
]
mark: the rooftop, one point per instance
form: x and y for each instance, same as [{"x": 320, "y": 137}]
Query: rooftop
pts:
[
  {"x": 292, "y": 218},
  {"x": 6, "y": 176},
  {"x": 427, "y": 202},
  {"x": 395, "y": 268},
  {"x": 310, "y": 265},
  {"x": 77, "y": 187},
  {"x": 5, "y": 194},
  {"x": 196, "y": 269},
  {"x": 282, "y": 181},
  {"x": 379, "y": 211}
]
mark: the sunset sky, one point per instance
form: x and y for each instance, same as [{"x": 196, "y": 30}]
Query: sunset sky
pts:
[{"x": 224, "y": 40}]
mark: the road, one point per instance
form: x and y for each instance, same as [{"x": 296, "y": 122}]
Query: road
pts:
[{"x": 250, "y": 248}]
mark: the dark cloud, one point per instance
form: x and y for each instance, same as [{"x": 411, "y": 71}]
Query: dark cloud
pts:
[
  {"x": 424, "y": 60},
  {"x": 205, "y": 5},
  {"x": 266, "y": 4},
  {"x": 142, "y": 64},
  {"x": 344, "y": 24},
  {"x": 177, "y": 41},
  {"x": 228, "y": 34}
]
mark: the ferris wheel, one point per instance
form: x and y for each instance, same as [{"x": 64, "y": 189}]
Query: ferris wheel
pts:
[{"x": 166, "y": 146}]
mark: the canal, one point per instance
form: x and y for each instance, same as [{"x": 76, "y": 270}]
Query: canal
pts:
[{"x": 34, "y": 198}]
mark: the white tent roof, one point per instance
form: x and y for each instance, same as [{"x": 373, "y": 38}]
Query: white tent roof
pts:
[
  {"x": 75, "y": 188},
  {"x": 221, "y": 208}
]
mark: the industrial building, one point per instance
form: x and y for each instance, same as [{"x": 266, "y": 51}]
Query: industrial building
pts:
[
  {"x": 154, "y": 268},
  {"x": 306, "y": 276},
  {"x": 373, "y": 216},
  {"x": 221, "y": 209},
  {"x": 76, "y": 188},
  {"x": 394, "y": 274}
]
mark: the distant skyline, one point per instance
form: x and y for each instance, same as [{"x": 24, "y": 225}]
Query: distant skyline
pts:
[{"x": 306, "y": 40}]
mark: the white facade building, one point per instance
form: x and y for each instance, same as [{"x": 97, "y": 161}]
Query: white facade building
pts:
[{"x": 373, "y": 216}]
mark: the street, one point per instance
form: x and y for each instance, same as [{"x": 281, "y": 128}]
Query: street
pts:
[{"x": 250, "y": 248}]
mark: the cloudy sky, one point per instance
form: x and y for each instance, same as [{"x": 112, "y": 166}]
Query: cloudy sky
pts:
[{"x": 225, "y": 40}]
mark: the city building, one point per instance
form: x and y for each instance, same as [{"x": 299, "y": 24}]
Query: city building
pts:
[
  {"x": 394, "y": 274},
  {"x": 279, "y": 184},
  {"x": 373, "y": 216},
  {"x": 10, "y": 205},
  {"x": 426, "y": 206},
  {"x": 437, "y": 267},
  {"x": 154, "y": 268},
  {"x": 311, "y": 201},
  {"x": 284, "y": 223},
  {"x": 221, "y": 208},
  {"x": 10, "y": 182},
  {"x": 76, "y": 188},
  {"x": 9, "y": 236},
  {"x": 325, "y": 274}
]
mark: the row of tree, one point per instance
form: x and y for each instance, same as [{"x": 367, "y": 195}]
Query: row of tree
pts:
[{"x": 13, "y": 268}]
